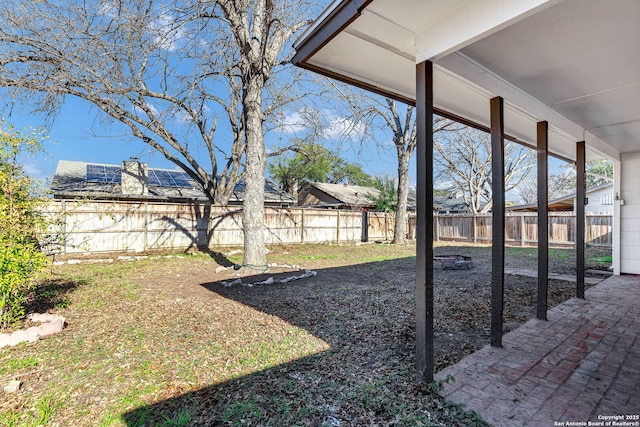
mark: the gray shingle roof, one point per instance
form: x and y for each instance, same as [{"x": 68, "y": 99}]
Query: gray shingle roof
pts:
[{"x": 352, "y": 195}]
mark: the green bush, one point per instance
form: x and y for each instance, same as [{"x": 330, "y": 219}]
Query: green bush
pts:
[
  {"x": 18, "y": 264},
  {"x": 20, "y": 226}
]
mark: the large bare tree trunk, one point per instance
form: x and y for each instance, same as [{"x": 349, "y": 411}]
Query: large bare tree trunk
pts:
[
  {"x": 253, "y": 213},
  {"x": 400, "y": 229}
]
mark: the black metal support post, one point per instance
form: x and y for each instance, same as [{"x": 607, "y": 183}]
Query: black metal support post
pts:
[
  {"x": 424, "y": 222},
  {"x": 543, "y": 219},
  {"x": 580, "y": 217},
  {"x": 498, "y": 220}
]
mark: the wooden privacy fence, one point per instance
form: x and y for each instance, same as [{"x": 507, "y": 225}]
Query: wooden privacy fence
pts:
[
  {"x": 102, "y": 226},
  {"x": 521, "y": 229}
]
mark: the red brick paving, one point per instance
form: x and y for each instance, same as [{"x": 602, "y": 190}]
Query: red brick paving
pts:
[{"x": 582, "y": 363}]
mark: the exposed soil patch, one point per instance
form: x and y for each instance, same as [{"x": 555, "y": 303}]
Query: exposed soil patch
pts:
[{"x": 383, "y": 293}]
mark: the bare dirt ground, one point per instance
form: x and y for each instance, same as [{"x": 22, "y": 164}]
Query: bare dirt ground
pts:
[
  {"x": 162, "y": 341},
  {"x": 461, "y": 296}
]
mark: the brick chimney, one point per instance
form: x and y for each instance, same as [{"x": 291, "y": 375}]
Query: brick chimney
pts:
[{"x": 135, "y": 178}]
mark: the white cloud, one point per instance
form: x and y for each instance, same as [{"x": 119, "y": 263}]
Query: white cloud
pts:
[
  {"x": 151, "y": 108},
  {"x": 167, "y": 35},
  {"x": 343, "y": 128},
  {"x": 183, "y": 117},
  {"x": 165, "y": 32},
  {"x": 32, "y": 170},
  {"x": 292, "y": 122},
  {"x": 333, "y": 127}
]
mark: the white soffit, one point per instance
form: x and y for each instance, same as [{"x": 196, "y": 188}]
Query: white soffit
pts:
[
  {"x": 580, "y": 59},
  {"x": 392, "y": 71},
  {"x": 573, "y": 63},
  {"x": 469, "y": 21}
]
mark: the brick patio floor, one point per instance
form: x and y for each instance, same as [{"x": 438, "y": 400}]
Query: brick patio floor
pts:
[{"x": 580, "y": 365}]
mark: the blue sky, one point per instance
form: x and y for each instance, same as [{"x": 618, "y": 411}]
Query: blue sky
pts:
[{"x": 80, "y": 133}]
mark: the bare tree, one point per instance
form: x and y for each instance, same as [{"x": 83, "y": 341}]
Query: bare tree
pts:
[
  {"x": 384, "y": 115},
  {"x": 563, "y": 183},
  {"x": 463, "y": 160},
  {"x": 167, "y": 72},
  {"x": 403, "y": 127},
  {"x": 558, "y": 185},
  {"x": 528, "y": 191}
]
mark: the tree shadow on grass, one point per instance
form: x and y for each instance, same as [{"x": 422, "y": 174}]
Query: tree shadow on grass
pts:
[
  {"x": 50, "y": 294},
  {"x": 366, "y": 376},
  {"x": 206, "y": 229}
]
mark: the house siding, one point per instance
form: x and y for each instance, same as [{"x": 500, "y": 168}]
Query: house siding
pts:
[
  {"x": 629, "y": 221},
  {"x": 600, "y": 201}
]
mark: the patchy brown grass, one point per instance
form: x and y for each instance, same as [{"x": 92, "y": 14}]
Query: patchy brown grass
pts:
[{"x": 161, "y": 342}]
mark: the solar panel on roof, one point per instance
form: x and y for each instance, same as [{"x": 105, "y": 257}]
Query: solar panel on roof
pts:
[
  {"x": 169, "y": 178},
  {"x": 269, "y": 189},
  {"x": 104, "y": 174},
  {"x": 181, "y": 179}
]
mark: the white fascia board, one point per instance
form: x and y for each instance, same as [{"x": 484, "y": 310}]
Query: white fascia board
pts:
[
  {"x": 471, "y": 21},
  {"x": 470, "y": 70}
]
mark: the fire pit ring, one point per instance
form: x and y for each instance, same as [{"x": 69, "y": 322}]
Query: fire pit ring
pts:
[{"x": 454, "y": 262}]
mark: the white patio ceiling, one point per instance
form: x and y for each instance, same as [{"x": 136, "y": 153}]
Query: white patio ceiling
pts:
[{"x": 574, "y": 63}]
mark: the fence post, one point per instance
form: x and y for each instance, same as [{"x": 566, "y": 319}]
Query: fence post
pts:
[
  {"x": 64, "y": 215},
  {"x": 473, "y": 229},
  {"x": 522, "y": 229},
  {"x": 386, "y": 226},
  {"x": 302, "y": 226},
  {"x": 365, "y": 226},
  {"x": 145, "y": 237},
  {"x": 338, "y": 227}
]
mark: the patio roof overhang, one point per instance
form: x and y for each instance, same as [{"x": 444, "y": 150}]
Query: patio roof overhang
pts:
[{"x": 573, "y": 63}]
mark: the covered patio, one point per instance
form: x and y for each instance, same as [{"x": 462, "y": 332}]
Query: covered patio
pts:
[
  {"x": 582, "y": 363},
  {"x": 562, "y": 77}
]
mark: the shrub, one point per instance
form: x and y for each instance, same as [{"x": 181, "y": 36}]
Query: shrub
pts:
[{"x": 20, "y": 225}]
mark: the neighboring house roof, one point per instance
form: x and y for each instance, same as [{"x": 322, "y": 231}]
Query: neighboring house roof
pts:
[
  {"x": 564, "y": 203},
  {"x": 338, "y": 195},
  {"x": 75, "y": 179},
  {"x": 445, "y": 204}
]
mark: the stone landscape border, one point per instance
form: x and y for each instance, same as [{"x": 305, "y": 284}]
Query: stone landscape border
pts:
[{"x": 51, "y": 324}]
